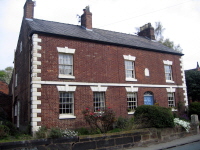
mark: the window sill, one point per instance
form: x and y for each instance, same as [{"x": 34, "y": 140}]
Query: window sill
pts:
[
  {"x": 131, "y": 113},
  {"x": 174, "y": 109},
  {"x": 66, "y": 76},
  {"x": 131, "y": 79},
  {"x": 169, "y": 81},
  {"x": 66, "y": 116}
]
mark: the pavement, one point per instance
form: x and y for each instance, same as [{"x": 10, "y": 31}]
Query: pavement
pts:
[{"x": 171, "y": 144}]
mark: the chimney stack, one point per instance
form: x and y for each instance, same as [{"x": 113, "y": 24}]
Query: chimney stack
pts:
[
  {"x": 147, "y": 31},
  {"x": 29, "y": 9},
  {"x": 86, "y": 18}
]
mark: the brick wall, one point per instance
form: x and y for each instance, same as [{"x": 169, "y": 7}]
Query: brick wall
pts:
[
  {"x": 122, "y": 140},
  {"x": 4, "y": 87},
  {"x": 100, "y": 63}
]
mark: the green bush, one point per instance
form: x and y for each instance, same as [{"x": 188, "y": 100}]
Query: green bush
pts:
[
  {"x": 82, "y": 131},
  {"x": 121, "y": 123},
  {"x": 153, "y": 116},
  {"x": 56, "y": 133},
  {"x": 42, "y": 133},
  {"x": 194, "y": 108},
  {"x": 12, "y": 128},
  {"x": 4, "y": 131}
]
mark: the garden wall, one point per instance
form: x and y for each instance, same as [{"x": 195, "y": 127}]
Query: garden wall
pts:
[{"x": 110, "y": 141}]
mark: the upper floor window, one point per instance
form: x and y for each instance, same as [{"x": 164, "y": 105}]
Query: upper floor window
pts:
[
  {"x": 130, "y": 68},
  {"x": 65, "y": 61},
  {"x": 168, "y": 71},
  {"x": 66, "y": 64}
]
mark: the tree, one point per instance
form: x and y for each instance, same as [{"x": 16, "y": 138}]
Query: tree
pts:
[
  {"x": 5, "y": 75},
  {"x": 193, "y": 84},
  {"x": 159, "y": 29}
]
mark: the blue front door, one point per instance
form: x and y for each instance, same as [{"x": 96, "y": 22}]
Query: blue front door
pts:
[{"x": 148, "y": 100}]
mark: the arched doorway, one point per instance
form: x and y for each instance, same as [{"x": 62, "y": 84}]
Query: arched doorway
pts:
[{"x": 148, "y": 98}]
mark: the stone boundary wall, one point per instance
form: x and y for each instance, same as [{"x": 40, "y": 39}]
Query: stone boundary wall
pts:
[{"x": 110, "y": 141}]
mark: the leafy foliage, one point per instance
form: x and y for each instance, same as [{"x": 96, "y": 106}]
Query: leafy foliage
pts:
[
  {"x": 194, "y": 108},
  {"x": 154, "y": 116},
  {"x": 159, "y": 29},
  {"x": 56, "y": 133},
  {"x": 193, "y": 84},
  {"x": 5, "y": 75},
  {"x": 4, "y": 131},
  {"x": 101, "y": 120},
  {"x": 41, "y": 133}
]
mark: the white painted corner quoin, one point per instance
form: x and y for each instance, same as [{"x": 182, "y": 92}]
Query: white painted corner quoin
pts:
[{"x": 35, "y": 101}]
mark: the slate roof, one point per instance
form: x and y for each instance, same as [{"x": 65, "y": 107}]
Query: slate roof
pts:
[{"x": 97, "y": 35}]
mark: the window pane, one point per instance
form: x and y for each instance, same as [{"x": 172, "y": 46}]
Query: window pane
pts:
[
  {"x": 66, "y": 64},
  {"x": 129, "y": 69},
  {"x": 66, "y": 103},
  {"x": 171, "y": 100},
  {"x": 99, "y": 101},
  {"x": 168, "y": 72},
  {"x": 131, "y": 101}
]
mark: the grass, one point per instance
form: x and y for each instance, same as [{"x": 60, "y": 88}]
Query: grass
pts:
[{"x": 19, "y": 137}]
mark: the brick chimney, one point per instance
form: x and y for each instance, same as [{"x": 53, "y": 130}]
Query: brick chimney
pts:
[
  {"x": 147, "y": 31},
  {"x": 86, "y": 18},
  {"x": 29, "y": 9}
]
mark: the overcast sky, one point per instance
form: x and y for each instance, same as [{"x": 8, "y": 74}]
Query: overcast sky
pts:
[{"x": 180, "y": 18}]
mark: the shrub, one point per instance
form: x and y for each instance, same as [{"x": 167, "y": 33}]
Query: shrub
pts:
[
  {"x": 194, "y": 108},
  {"x": 82, "y": 131},
  {"x": 121, "y": 123},
  {"x": 4, "y": 131},
  {"x": 42, "y": 133},
  {"x": 56, "y": 133},
  {"x": 154, "y": 116},
  {"x": 101, "y": 120},
  {"x": 12, "y": 128}
]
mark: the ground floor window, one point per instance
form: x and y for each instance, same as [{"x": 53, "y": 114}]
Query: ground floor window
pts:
[
  {"x": 66, "y": 105},
  {"x": 131, "y": 101},
  {"x": 171, "y": 99},
  {"x": 99, "y": 101}
]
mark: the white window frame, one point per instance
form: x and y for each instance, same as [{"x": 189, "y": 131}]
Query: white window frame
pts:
[
  {"x": 171, "y": 99},
  {"x": 168, "y": 63},
  {"x": 131, "y": 98},
  {"x": 65, "y": 106},
  {"x": 69, "y": 89},
  {"x": 99, "y": 101},
  {"x": 131, "y": 89},
  {"x": 129, "y": 58},
  {"x": 70, "y": 52}
]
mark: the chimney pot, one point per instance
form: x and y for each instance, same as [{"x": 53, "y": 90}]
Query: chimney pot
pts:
[
  {"x": 147, "y": 31},
  {"x": 29, "y": 9},
  {"x": 86, "y": 18}
]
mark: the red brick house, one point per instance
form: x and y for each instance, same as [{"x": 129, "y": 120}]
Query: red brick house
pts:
[{"x": 60, "y": 69}]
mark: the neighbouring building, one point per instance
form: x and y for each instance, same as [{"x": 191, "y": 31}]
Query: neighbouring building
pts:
[
  {"x": 193, "y": 84},
  {"x": 4, "y": 87},
  {"x": 5, "y": 102},
  {"x": 60, "y": 69}
]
